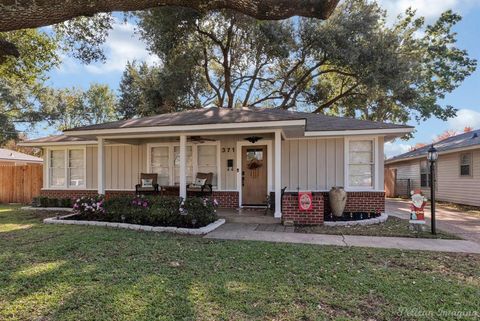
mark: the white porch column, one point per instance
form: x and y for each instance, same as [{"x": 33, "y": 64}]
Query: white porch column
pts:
[
  {"x": 278, "y": 173},
  {"x": 101, "y": 165},
  {"x": 183, "y": 166}
]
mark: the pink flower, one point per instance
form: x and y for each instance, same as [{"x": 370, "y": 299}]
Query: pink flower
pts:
[{"x": 145, "y": 204}]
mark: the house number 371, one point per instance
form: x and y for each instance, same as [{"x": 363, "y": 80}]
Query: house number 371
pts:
[{"x": 228, "y": 149}]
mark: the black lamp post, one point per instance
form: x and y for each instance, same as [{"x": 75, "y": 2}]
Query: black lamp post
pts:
[{"x": 432, "y": 157}]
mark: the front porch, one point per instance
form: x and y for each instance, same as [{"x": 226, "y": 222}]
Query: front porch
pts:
[{"x": 246, "y": 165}]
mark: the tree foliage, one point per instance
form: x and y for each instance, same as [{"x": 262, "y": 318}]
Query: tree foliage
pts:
[
  {"x": 73, "y": 107},
  {"x": 353, "y": 64},
  {"x": 22, "y": 80}
]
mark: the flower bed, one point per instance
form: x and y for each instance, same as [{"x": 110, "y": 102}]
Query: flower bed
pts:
[
  {"x": 352, "y": 216},
  {"x": 166, "y": 211},
  {"x": 50, "y": 202}
]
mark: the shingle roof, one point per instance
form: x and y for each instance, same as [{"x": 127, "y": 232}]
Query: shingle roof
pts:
[
  {"x": 455, "y": 142},
  {"x": 11, "y": 155},
  {"x": 314, "y": 122},
  {"x": 56, "y": 139}
]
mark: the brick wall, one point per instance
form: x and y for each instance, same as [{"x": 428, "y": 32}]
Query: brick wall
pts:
[
  {"x": 226, "y": 199},
  {"x": 291, "y": 212},
  {"x": 361, "y": 202},
  {"x": 73, "y": 194},
  {"x": 356, "y": 202}
]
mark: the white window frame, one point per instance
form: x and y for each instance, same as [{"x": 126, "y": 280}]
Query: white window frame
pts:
[
  {"x": 67, "y": 174},
  {"x": 171, "y": 160},
  {"x": 376, "y": 172},
  {"x": 470, "y": 165}
]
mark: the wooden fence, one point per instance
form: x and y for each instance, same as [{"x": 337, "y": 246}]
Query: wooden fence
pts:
[
  {"x": 390, "y": 182},
  {"x": 20, "y": 184}
]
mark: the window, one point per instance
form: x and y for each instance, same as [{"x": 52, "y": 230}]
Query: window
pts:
[
  {"x": 165, "y": 161},
  {"x": 361, "y": 164},
  {"x": 76, "y": 168},
  {"x": 160, "y": 164},
  {"x": 466, "y": 164},
  {"x": 57, "y": 168},
  {"x": 424, "y": 174},
  {"x": 66, "y": 168},
  {"x": 207, "y": 160}
]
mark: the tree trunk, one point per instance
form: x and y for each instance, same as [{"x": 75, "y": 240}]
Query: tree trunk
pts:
[{"x": 21, "y": 14}]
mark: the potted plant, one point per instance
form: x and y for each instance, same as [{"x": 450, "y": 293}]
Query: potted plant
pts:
[{"x": 338, "y": 200}]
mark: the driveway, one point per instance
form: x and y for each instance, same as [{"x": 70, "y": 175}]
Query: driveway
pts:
[{"x": 466, "y": 226}]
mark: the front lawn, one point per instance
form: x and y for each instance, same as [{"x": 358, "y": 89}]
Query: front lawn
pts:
[
  {"x": 394, "y": 226},
  {"x": 56, "y": 272}
]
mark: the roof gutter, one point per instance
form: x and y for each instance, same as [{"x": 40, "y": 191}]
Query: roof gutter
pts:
[
  {"x": 350, "y": 132},
  {"x": 46, "y": 144},
  {"x": 186, "y": 128}
]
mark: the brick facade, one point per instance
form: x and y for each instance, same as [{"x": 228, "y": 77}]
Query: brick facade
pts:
[
  {"x": 226, "y": 199},
  {"x": 291, "y": 212},
  {"x": 356, "y": 202}
]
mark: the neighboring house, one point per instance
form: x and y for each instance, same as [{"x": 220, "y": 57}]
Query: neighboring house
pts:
[
  {"x": 251, "y": 152},
  {"x": 11, "y": 157},
  {"x": 457, "y": 169}
]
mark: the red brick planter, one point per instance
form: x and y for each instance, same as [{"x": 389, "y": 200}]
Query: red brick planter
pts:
[{"x": 356, "y": 202}]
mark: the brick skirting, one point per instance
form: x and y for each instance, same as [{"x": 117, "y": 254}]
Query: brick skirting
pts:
[
  {"x": 356, "y": 202},
  {"x": 226, "y": 199},
  {"x": 291, "y": 212}
]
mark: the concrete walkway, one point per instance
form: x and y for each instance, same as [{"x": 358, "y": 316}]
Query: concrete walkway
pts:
[
  {"x": 464, "y": 225},
  {"x": 244, "y": 231}
]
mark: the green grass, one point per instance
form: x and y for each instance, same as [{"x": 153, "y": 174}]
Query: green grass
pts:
[
  {"x": 55, "y": 272},
  {"x": 394, "y": 226}
]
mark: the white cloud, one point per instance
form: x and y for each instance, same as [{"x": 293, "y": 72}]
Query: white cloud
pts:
[
  {"x": 430, "y": 9},
  {"x": 395, "y": 148},
  {"x": 465, "y": 118},
  {"x": 122, "y": 45}
]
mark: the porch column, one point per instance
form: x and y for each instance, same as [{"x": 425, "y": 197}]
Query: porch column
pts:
[
  {"x": 183, "y": 166},
  {"x": 101, "y": 165},
  {"x": 278, "y": 173}
]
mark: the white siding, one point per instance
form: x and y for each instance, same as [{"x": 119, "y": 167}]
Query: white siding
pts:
[
  {"x": 312, "y": 164},
  {"x": 451, "y": 187},
  {"x": 455, "y": 188}
]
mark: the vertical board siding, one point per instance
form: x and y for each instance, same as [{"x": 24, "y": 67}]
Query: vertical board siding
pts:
[
  {"x": 293, "y": 171},
  {"x": 302, "y": 164},
  {"x": 285, "y": 163},
  {"x": 312, "y": 164},
  {"x": 321, "y": 164},
  {"x": 21, "y": 183}
]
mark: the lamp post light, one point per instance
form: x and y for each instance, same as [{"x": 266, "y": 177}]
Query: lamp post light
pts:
[{"x": 432, "y": 157}]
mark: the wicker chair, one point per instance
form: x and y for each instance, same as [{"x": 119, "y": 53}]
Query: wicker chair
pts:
[
  {"x": 206, "y": 188},
  {"x": 147, "y": 189}
]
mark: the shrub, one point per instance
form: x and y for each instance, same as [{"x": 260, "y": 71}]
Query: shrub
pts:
[
  {"x": 90, "y": 207},
  {"x": 43, "y": 201},
  {"x": 151, "y": 210}
]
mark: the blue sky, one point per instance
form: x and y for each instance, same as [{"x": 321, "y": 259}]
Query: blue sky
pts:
[{"x": 123, "y": 45}]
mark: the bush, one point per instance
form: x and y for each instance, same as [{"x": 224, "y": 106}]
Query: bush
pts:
[
  {"x": 43, "y": 201},
  {"x": 150, "y": 210},
  {"x": 91, "y": 208}
]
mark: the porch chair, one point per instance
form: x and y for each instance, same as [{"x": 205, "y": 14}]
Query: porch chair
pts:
[
  {"x": 202, "y": 184},
  {"x": 148, "y": 183}
]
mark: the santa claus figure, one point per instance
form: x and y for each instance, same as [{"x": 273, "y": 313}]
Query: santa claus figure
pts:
[{"x": 419, "y": 201}]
